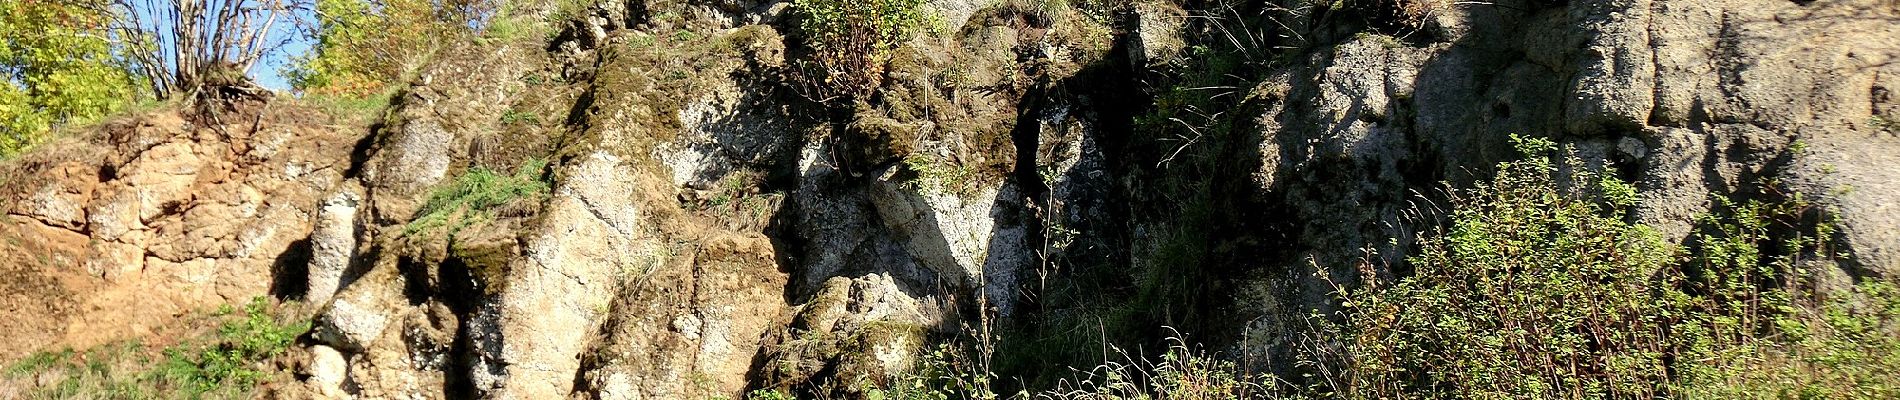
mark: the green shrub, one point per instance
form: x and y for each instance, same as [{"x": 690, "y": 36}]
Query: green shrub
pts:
[
  {"x": 364, "y": 46},
  {"x": 1846, "y": 348},
  {"x": 56, "y": 68},
  {"x": 1534, "y": 290},
  {"x": 1770, "y": 336},
  {"x": 233, "y": 360},
  {"x": 1543, "y": 289},
  {"x": 940, "y": 176},
  {"x": 1539, "y": 287},
  {"x": 851, "y": 41},
  {"x": 767, "y": 394},
  {"x": 515, "y": 116}
]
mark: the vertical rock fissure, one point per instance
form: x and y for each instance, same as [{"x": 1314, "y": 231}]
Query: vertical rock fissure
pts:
[
  {"x": 1027, "y": 138},
  {"x": 462, "y": 293}
]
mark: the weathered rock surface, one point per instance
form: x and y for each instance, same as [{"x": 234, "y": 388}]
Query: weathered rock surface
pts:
[
  {"x": 170, "y": 215},
  {"x": 708, "y": 228},
  {"x": 1689, "y": 99}
]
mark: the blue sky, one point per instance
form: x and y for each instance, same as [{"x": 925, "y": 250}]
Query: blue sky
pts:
[{"x": 269, "y": 72}]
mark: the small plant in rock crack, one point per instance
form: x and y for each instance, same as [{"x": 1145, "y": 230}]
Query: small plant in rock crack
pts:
[
  {"x": 939, "y": 176},
  {"x": 472, "y": 195},
  {"x": 1884, "y": 123},
  {"x": 515, "y": 116}
]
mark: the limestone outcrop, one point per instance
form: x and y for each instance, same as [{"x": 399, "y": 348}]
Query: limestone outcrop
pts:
[
  {"x": 685, "y": 218},
  {"x": 154, "y": 216}
]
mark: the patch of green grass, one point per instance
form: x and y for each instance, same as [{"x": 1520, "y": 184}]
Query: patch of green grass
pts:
[
  {"x": 38, "y": 362},
  {"x": 945, "y": 372},
  {"x": 769, "y": 394},
  {"x": 940, "y": 176},
  {"x": 228, "y": 365},
  {"x": 514, "y": 22},
  {"x": 243, "y": 343},
  {"x": 685, "y": 36},
  {"x": 565, "y": 10},
  {"x": 514, "y": 116},
  {"x": 1181, "y": 373},
  {"x": 641, "y": 40},
  {"x": 468, "y": 198},
  {"x": 348, "y": 107},
  {"x": 1384, "y": 40},
  {"x": 109, "y": 372}
]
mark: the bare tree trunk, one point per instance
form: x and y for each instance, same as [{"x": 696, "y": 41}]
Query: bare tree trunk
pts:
[{"x": 178, "y": 43}]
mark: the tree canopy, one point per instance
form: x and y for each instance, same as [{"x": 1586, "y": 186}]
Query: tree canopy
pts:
[{"x": 57, "y": 67}]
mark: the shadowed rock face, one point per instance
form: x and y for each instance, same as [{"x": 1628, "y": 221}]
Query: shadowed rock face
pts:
[
  {"x": 708, "y": 230},
  {"x": 1688, "y": 99}
]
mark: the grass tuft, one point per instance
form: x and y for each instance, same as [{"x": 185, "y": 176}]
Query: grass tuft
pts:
[{"x": 468, "y": 199}]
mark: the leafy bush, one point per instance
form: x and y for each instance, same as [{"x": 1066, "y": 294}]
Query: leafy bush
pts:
[
  {"x": 1847, "y": 348},
  {"x": 1535, "y": 290},
  {"x": 1771, "y": 336},
  {"x": 1539, "y": 288},
  {"x": 56, "y": 67},
  {"x": 851, "y": 41},
  {"x": 232, "y": 362},
  {"x": 364, "y": 46}
]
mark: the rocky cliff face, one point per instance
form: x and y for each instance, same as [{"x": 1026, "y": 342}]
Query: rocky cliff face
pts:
[
  {"x": 707, "y": 229},
  {"x": 1690, "y": 100},
  {"x": 152, "y": 217}
]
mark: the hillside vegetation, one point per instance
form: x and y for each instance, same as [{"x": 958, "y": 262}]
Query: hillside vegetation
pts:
[{"x": 949, "y": 199}]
